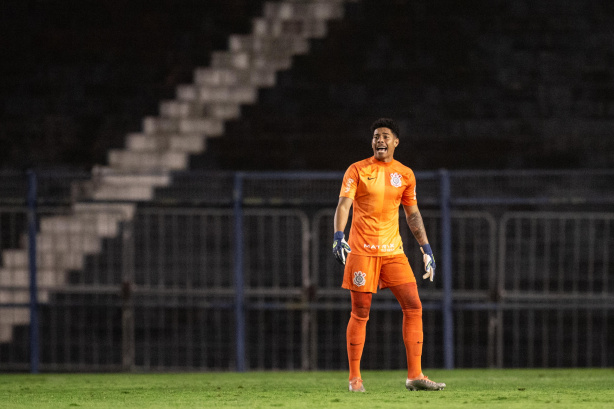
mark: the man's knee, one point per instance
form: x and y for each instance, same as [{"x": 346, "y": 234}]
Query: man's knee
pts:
[
  {"x": 361, "y": 304},
  {"x": 407, "y": 296},
  {"x": 362, "y": 312}
]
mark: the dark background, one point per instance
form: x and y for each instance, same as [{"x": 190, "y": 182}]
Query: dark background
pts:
[{"x": 483, "y": 84}]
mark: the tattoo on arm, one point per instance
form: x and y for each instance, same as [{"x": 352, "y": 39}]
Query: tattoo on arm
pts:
[{"x": 416, "y": 225}]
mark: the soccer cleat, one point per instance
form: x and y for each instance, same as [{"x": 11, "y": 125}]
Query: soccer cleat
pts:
[
  {"x": 423, "y": 384},
  {"x": 356, "y": 385}
]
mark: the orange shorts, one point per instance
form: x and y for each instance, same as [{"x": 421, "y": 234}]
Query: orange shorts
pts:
[{"x": 365, "y": 273}]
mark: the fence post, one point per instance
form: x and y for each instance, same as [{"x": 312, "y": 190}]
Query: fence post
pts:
[
  {"x": 32, "y": 228},
  {"x": 127, "y": 295},
  {"x": 127, "y": 327},
  {"x": 446, "y": 250},
  {"x": 238, "y": 273}
]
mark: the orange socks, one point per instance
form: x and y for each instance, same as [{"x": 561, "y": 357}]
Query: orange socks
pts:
[
  {"x": 355, "y": 336},
  {"x": 413, "y": 338}
]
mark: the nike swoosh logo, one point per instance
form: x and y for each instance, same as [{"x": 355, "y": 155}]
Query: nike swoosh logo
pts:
[{"x": 370, "y": 178}]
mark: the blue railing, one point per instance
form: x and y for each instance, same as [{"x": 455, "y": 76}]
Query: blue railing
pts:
[
  {"x": 446, "y": 234},
  {"x": 32, "y": 227},
  {"x": 442, "y": 198}
]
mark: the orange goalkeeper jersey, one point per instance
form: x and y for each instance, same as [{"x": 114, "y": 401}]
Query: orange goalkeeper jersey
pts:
[{"x": 377, "y": 189}]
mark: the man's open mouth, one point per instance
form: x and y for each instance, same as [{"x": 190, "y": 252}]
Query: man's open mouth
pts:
[{"x": 382, "y": 149}]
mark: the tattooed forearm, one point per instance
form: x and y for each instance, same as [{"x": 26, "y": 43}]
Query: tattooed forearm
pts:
[{"x": 416, "y": 225}]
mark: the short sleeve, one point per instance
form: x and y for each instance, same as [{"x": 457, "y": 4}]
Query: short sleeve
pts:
[
  {"x": 409, "y": 194},
  {"x": 350, "y": 183}
]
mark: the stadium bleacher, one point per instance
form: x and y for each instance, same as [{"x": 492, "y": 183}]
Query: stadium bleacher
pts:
[
  {"x": 521, "y": 84},
  {"x": 516, "y": 77},
  {"x": 75, "y": 77},
  {"x": 501, "y": 84}
]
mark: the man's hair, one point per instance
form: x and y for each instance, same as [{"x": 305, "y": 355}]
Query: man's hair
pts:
[{"x": 386, "y": 123}]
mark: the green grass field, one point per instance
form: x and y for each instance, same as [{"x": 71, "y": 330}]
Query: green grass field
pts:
[{"x": 526, "y": 389}]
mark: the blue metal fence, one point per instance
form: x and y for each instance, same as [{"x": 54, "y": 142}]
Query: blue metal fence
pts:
[
  {"x": 444, "y": 204},
  {"x": 462, "y": 206}
]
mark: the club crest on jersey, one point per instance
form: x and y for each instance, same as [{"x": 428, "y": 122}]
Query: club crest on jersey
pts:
[
  {"x": 396, "y": 179},
  {"x": 359, "y": 278}
]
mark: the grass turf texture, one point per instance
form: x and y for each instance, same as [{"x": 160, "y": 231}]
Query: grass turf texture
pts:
[{"x": 514, "y": 388}]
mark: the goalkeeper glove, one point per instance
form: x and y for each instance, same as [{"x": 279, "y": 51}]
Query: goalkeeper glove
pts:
[
  {"x": 429, "y": 261},
  {"x": 340, "y": 247}
]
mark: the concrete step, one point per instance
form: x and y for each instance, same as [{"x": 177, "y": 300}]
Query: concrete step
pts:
[
  {"x": 281, "y": 60},
  {"x": 129, "y": 187},
  {"x": 144, "y": 162},
  {"x": 6, "y": 333},
  {"x": 12, "y": 317},
  {"x": 206, "y": 126},
  {"x": 130, "y": 179},
  {"x": 316, "y": 28},
  {"x": 106, "y": 217},
  {"x": 208, "y": 94},
  {"x": 306, "y": 10},
  {"x": 218, "y": 77},
  {"x": 15, "y": 278},
  {"x": 116, "y": 211},
  {"x": 104, "y": 224},
  {"x": 195, "y": 109},
  {"x": 13, "y": 297},
  {"x": 268, "y": 44},
  {"x": 79, "y": 224},
  {"x": 124, "y": 193},
  {"x": 21, "y": 278},
  {"x": 188, "y": 143},
  {"x": 89, "y": 243},
  {"x": 19, "y": 259}
]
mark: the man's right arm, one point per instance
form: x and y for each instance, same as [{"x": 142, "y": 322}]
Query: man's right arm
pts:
[
  {"x": 342, "y": 213},
  {"x": 340, "y": 246}
]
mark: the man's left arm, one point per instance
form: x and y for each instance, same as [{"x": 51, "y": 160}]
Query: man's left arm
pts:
[{"x": 416, "y": 225}]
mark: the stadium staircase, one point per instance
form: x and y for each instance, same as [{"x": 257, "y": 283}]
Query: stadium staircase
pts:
[{"x": 182, "y": 128}]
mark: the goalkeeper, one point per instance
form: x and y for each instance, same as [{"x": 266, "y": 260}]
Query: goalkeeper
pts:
[{"x": 374, "y": 256}]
